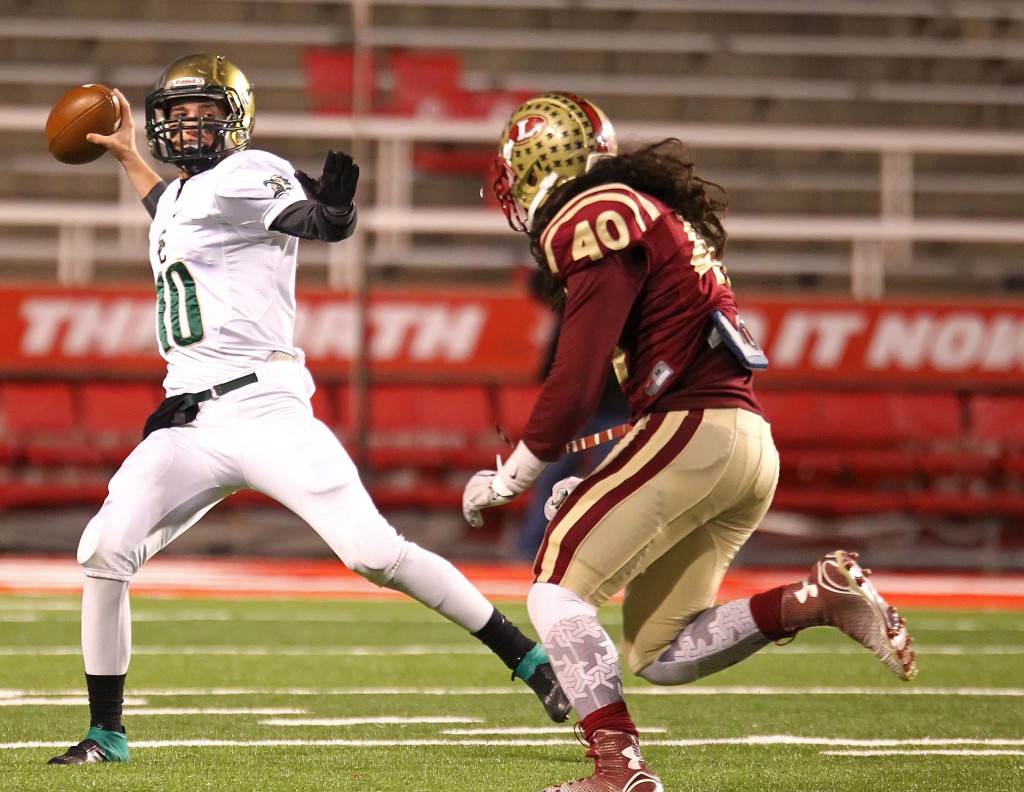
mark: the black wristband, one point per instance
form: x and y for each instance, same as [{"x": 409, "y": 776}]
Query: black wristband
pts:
[{"x": 335, "y": 212}]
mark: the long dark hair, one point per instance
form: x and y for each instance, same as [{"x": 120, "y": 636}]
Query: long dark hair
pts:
[{"x": 662, "y": 170}]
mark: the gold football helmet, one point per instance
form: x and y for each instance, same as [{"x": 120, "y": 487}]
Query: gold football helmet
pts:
[
  {"x": 548, "y": 141},
  {"x": 197, "y": 77}
]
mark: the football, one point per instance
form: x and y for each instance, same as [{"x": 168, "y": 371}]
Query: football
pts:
[{"x": 84, "y": 109}]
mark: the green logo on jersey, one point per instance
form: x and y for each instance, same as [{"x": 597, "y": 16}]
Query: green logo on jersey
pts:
[{"x": 279, "y": 184}]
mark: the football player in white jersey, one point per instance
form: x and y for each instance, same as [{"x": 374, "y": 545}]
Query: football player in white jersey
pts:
[{"x": 237, "y": 415}]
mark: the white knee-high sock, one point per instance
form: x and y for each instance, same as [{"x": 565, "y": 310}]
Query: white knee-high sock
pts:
[
  {"x": 436, "y": 583},
  {"x": 106, "y": 627},
  {"x": 719, "y": 637},
  {"x": 583, "y": 655}
]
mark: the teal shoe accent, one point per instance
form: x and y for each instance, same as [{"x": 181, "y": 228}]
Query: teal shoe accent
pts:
[
  {"x": 535, "y": 657},
  {"x": 114, "y": 744}
]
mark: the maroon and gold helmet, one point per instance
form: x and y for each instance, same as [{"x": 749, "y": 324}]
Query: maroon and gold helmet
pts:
[{"x": 549, "y": 140}]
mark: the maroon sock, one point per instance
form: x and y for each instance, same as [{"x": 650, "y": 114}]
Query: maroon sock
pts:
[
  {"x": 614, "y": 717},
  {"x": 766, "y": 608}
]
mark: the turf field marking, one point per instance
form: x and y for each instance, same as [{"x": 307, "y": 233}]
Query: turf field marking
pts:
[
  {"x": 509, "y": 730},
  {"x": 757, "y": 740},
  {"x": 877, "y": 742},
  {"x": 213, "y": 711},
  {"x": 26, "y": 617},
  {"x": 59, "y": 701},
  {"x": 925, "y": 752},
  {"x": 243, "y": 617},
  {"x": 137, "y": 706},
  {"x": 933, "y": 624},
  {"x": 712, "y": 690},
  {"x": 510, "y": 690},
  {"x": 61, "y": 615},
  {"x": 28, "y": 611},
  {"x": 41, "y": 604},
  {"x": 384, "y": 720},
  {"x": 260, "y": 651},
  {"x": 922, "y": 648},
  {"x": 946, "y": 650},
  {"x": 303, "y": 743}
]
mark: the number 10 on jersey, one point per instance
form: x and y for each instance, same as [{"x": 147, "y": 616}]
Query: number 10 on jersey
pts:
[{"x": 182, "y": 325}]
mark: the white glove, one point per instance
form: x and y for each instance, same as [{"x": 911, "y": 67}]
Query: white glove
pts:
[
  {"x": 562, "y": 490},
  {"x": 494, "y": 487},
  {"x": 480, "y": 494}
]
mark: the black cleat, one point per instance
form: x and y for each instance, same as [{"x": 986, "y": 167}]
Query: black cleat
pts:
[
  {"x": 86, "y": 752},
  {"x": 536, "y": 671},
  {"x": 544, "y": 683},
  {"x": 99, "y": 745}
]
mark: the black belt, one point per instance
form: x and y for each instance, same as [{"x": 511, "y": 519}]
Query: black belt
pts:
[{"x": 192, "y": 399}]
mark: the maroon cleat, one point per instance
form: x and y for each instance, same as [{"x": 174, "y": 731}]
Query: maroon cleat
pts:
[
  {"x": 838, "y": 593},
  {"x": 618, "y": 767}
]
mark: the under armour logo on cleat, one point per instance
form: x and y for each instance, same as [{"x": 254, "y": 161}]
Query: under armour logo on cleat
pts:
[
  {"x": 806, "y": 591},
  {"x": 634, "y": 757},
  {"x": 644, "y": 782}
]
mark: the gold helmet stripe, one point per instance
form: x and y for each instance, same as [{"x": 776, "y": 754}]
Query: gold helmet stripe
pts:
[{"x": 596, "y": 122}]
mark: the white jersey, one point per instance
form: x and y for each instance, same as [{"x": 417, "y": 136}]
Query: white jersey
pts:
[{"x": 225, "y": 282}]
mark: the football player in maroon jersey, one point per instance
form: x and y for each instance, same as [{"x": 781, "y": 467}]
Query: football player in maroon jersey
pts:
[{"x": 633, "y": 245}]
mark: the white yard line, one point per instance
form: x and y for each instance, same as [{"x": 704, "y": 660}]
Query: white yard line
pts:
[
  {"x": 792, "y": 739},
  {"x": 923, "y": 649},
  {"x": 516, "y": 730},
  {"x": 59, "y": 701},
  {"x": 385, "y": 720},
  {"x": 133, "y": 711},
  {"x": 243, "y": 617},
  {"x": 857, "y": 747},
  {"x": 41, "y": 604},
  {"x": 510, "y": 689},
  {"x": 73, "y": 650},
  {"x": 73, "y": 614},
  {"x": 824, "y": 691},
  {"x": 926, "y": 752},
  {"x": 302, "y": 743},
  {"x": 137, "y": 706},
  {"x": 21, "y": 610},
  {"x": 259, "y": 651}
]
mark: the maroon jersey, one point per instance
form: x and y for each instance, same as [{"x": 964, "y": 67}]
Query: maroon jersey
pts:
[{"x": 641, "y": 287}]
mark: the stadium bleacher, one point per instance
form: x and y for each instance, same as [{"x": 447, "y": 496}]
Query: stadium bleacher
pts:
[
  {"x": 869, "y": 149},
  {"x": 843, "y": 452},
  {"x": 943, "y": 74}
]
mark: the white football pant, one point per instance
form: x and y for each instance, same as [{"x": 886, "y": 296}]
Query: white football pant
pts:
[{"x": 264, "y": 437}]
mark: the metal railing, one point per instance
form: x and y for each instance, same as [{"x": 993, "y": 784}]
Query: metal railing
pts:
[{"x": 874, "y": 242}]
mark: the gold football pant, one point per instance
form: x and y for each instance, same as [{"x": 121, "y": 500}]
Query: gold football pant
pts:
[{"x": 663, "y": 517}]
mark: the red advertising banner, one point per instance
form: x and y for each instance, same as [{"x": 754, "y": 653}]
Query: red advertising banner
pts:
[
  {"x": 912, "y": 343},
  {"x": 486, "y": 335},
  {"x": 476, "y": 335}
]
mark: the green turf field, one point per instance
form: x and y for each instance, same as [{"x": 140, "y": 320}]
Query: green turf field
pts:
[{"x": 381, "y": 696}]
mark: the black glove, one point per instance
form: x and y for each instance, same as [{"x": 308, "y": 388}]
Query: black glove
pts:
[{"x": 336, "y": 186}]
